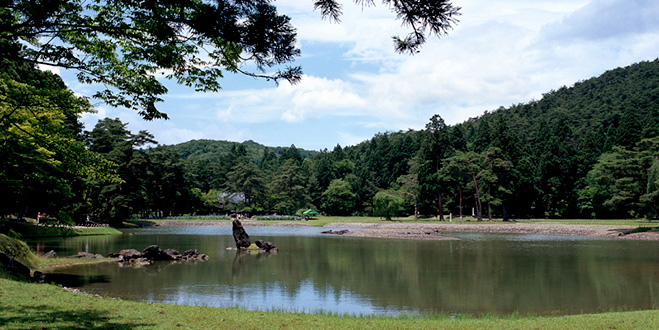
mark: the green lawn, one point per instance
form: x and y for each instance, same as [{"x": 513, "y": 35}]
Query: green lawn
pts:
[
  {"x": 32, "y": 230},
  {"x": 42, "y": 306}
]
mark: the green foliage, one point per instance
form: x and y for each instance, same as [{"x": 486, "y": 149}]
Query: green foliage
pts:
[
  {"x": 43, "y": 157},
  {"x": 289, "y": 183},
  {"x": 424, "y": 17},
  {"x": 387, "y": 204},
  {"x": 579, "y": 152},
  {"x": 623, "y": 182},
  {"x": 338, "y": 199},
  {"x": 125, "y": 45}
]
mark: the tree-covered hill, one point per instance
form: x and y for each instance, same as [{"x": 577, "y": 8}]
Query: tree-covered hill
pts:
[
  {"x": 543, "y": 158},
  {"x": 589, "y": 150},
  {"x": 196, "y": 150},
  {"x": 595, "y": 105}
]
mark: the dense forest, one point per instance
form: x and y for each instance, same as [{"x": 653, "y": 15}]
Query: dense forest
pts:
[{"x": 590, "y": 150}]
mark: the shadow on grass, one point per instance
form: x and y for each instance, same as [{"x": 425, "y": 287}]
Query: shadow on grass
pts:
[{"x": 47, "y": 317}]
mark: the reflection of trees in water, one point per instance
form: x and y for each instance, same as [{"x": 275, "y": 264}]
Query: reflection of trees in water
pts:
[
  {"x": 70, "y": 280},
  {"x": 464, "y": 276},
  {"x": 490, "y": 276}
]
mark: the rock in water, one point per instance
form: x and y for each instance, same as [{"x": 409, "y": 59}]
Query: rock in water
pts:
[
  {"x": 240, "y": 235},
  {"x": 337, "y": 232},
  {"x": 153, "y": 252},
  {"x": 266, "y": 246}
]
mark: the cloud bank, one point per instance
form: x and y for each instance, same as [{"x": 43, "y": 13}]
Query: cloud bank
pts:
[{"x": 355, "y": 85}]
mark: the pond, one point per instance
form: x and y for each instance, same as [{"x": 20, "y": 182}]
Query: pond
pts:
[{"x": 480, "y": 273}]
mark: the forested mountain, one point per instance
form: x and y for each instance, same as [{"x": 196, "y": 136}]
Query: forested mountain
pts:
[
  {"x": 544, "y": 151},
  {"x": 199, "y": 150},
  {"x": 590, "y": 150},
  {"x": 594, "y": 105}
]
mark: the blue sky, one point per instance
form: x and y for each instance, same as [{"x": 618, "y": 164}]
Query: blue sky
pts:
[{"x": 501, "y": 53}]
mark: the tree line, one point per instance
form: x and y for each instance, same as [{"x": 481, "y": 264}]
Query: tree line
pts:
[{"x": 589, "y": 150}]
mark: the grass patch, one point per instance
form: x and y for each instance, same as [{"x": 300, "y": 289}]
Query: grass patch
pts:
[
  {"x": 198, "y": 217},
  {"x": 44, "y": 263},
  {"x": 18, "y": 229},
  {"x": 645, "y": 229},
  {"x": 18, "y": 250},
  {"x": 37, "y": 306},
  {"x": 277, "y": 217}
]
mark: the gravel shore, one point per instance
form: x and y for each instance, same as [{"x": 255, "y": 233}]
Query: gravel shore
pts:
[{"x": 435, "y": 231}]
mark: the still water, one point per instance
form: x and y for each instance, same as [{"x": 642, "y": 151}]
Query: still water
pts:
[{"x": 480, "y": 273}]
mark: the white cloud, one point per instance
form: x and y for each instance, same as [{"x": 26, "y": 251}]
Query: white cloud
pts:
[
  {"x": 350, "y": 139},
  {"x": 49, "y": 68},
  {"x": 291, "y": 103},
  {"x": 606, "y": 19},
  {"x": 501, "y": 53}
]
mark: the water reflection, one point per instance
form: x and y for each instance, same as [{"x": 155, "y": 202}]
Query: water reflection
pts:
[
  {"x": 71, "y": 280},
  {"x": 481, "y": 273}
]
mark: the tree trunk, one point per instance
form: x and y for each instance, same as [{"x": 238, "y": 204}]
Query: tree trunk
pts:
[
  {"x": 441, "y": 207},
  {"x": 489, "y": 205},
  {"x": 416, "y": 210},
  {"x": 479, "y": 206},
  {"x": 460, "y": 190}
]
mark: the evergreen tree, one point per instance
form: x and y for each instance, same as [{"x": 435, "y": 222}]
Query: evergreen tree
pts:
[
  {"x": 629, "y": 131},
  {"x": 338, "y": 199}
]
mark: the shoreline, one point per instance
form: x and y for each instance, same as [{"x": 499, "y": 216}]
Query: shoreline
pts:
[{"x": 434, "y": 231}]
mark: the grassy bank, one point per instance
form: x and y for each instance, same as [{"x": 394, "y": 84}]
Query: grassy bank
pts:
[
  {"x": 37, "y": 306},
  {"x": 20, "y": 251},
  {"x": 32, "y": 230}
]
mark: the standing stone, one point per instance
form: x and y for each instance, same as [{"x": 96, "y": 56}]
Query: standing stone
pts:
[{"x": 240, "y": 235}]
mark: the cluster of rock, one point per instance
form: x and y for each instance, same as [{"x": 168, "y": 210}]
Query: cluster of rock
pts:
[
  {"x": 335, "y": 232},
  {"x": 242, "y": 239},
  {"x": 79, "y": 255},
  {"x": 154, "y": 253}
]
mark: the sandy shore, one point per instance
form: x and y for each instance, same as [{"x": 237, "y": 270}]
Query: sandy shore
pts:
[{"x": 435, "y": 231}]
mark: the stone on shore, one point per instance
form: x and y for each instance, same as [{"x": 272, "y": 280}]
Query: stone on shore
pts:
[
  {"x": 50, "y": 254},
  {"x": 86, "y": 255}
]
